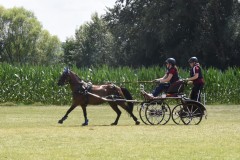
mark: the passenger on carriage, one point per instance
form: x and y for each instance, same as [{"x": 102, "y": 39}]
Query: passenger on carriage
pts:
[
  {"x": 170, "y": 77},
  {"x": 196, "y": 78}
]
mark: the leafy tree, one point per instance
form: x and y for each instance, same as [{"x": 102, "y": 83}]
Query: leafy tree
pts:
[
  {"x": 70, "y": 49},
  {"x": 23, "y": 40},
  {"x": 92, "y": 44},
  {"x": 217, "y": 38},
  {"x": 233, "y": 44},
  {"x": 149, "y": 31},
  {"x": 49, "y": 48}
]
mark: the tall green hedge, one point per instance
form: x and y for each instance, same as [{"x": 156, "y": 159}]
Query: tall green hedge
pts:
[{"x": 30, "y": 84}]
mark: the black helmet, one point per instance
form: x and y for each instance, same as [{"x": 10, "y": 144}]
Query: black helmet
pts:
[
  {"x": 193, "y": 59},
  {"x": 171, "y": 61}
]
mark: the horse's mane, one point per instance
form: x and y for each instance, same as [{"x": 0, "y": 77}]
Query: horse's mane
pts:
[{"x": 78, "y": 78}]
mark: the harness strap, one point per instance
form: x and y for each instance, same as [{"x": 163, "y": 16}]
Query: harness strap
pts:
[{"x": 84, "y": 90}]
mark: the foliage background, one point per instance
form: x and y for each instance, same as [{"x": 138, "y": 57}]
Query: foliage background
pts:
[
  {"x": 148, "y": 32},
  {"x": 132, "y": 34},
  {"x": 24, "y": 41},
  {"x": 32, "y": 84}
]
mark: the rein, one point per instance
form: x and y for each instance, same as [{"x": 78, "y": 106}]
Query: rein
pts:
[
  {"x": 109, "y": 82},
  {"x": 137, "y": 82}
]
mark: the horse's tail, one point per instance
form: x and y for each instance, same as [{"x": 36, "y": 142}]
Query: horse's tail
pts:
[{"x": 128, "y": 96}]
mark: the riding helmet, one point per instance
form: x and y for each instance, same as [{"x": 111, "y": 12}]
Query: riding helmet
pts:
[
  {"x": 193, "y": 59},
  {"x": 171, "y": 61}
]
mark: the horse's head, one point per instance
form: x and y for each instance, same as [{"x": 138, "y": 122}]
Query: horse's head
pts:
[
  {"x": 68, "y": 77},
  {"x": 64, "y": 78}
]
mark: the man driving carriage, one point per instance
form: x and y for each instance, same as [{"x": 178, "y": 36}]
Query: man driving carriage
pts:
[{"x": 170, "y": 77}]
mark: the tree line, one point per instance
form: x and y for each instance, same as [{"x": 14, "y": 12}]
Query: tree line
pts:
[
  {"x": 24, "y": 41},
  {"x": 133, "y": 33}
]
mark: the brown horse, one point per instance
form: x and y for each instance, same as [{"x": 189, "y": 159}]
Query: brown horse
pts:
[{"x": 84, "y": 93}]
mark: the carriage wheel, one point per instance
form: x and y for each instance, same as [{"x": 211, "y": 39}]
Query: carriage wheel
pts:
[
  {"x": 142, "y": 114},
  {"x": 167, "y": 113},
  {"x": 191, "y": 113},
  {"x": 176, "y": 114},
  {"x": 158, "y": 112}
]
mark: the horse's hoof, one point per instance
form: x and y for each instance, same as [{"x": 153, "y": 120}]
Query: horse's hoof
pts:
[
  {"x": 85, "y": 123},
  {"x": 113, "y": 124},
  {"x": 137, "y": 123},
  {"x": 60, "y": 122}
]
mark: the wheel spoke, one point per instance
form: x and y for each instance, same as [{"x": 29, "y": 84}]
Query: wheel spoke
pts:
[
  {"x": 176, "y": 113},
  {"x": 158, "y": 113},
  {"x": 193, "y": 115},
  {"x": 142, "y": 113}
]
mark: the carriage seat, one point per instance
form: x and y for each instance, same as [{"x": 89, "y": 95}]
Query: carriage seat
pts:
[{"x": 176, "y": 88}]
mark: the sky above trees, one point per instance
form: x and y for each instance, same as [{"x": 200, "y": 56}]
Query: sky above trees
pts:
[{"x": 61, "y": 17}]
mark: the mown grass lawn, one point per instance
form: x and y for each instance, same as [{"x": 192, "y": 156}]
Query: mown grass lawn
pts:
[{"x": 32, "y": 132}]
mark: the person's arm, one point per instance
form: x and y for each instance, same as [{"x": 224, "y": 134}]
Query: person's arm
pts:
[
  {"x": 159, "y": 80},
  {"x": 165, "y": 78},
  {"x": 193, "y": 78},
  {"x": 168, "y": 78}
]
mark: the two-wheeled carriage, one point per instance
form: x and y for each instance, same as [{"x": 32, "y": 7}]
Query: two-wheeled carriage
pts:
[{"x": 157, "y": 111}]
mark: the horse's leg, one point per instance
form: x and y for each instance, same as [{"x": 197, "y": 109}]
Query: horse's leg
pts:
[
  {"x": 123, "y": 105},
  {"x": 84, "y": 108},
  {"x": 66, "y": 115},
  {"x": 116, "y": 109}
]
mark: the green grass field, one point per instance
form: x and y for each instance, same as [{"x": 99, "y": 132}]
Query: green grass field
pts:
[{"x": 32, "y": 132}]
